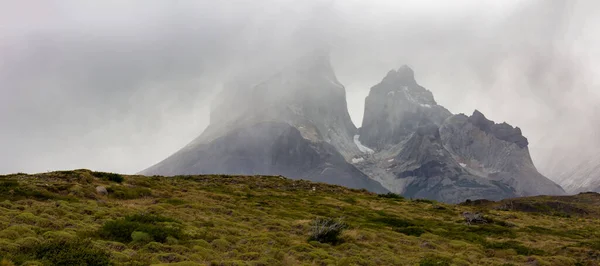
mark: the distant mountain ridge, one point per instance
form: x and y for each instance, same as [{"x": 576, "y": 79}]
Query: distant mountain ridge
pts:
[{"x": 296, "y": 124}]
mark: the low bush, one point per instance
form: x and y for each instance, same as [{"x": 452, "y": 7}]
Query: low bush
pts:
[
  {"x": 121, "y": 192},
  {"x": 424, "y": 201},
  {"x": 391, "y": 195},
  {"x": 158, "y": 228},
  {"x": 65, "y": 252},
  {"x": 141, "y": 237},
  {"x": 393, "y": 222},
  {"x": 109, "y": 176},
  {"x": 411, "y": 231},
  {"x": 11, "y": 189},
  {"x": 327, "y": 230}
]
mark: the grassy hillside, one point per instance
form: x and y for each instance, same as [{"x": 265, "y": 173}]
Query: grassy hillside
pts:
[{"x": 60, "y": 218}]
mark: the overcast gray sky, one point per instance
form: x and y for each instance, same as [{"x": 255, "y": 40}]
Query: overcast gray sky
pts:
[{"x": 120, "y": 85}]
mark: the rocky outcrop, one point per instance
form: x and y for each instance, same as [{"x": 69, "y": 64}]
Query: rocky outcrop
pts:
[
  {"x": 101, "y": 190},
  {"x": 428, "y": 170},
  {"x": 497, "y": 152}
]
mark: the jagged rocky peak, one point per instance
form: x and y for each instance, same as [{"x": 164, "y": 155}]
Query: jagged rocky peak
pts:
[
  {"x": 396, "y": 107},
  {"x": 502, "y": 131},
  {"x": 403, "y": 76}
]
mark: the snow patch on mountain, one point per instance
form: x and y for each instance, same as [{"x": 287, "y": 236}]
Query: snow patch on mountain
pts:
[
  {"x": 362, "y": 147},
  {"x": 358, "y": 160}
]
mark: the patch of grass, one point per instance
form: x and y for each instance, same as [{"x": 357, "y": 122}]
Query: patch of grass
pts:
[
  {"x": 5, "y": 262},
  {"x": 174, "y": 201},
  {"x": 435, "y": 261},
  {"x": 258, "y": 220},
  {"x": 516, "y": 246},
  {"x": 594, "y": 244}
]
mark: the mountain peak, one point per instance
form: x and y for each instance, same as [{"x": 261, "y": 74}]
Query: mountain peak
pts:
[
  {"x": 501, "y": 131},
  {"x": 403, "y": 76},
  {"x": 406, "y": 71}
]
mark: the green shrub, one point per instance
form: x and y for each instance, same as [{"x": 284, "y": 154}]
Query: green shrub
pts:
[
  {"x": 7, "y": 184},
  {"x": 149, "y": 218},
  {"x": 11, "y": 189},
  {"x": 157, "y": 227},
  {"x": 109, "y": 176},
  {"x": 65, "y": 252},
  {"x": 327, "y": 230},
  {"x": 394, "y": 222},
  {"x": 391, "y": 195},
  {"x": 424, "y": 201},
  {"x": 435, "y": 261},
  {"x": 411, "y": 231},
  {"x": 350, "y": 200},
  {"x": 141, "y": 237},
  {"x": 221, "y": 245},
  {"x": 121, "y": 192}
]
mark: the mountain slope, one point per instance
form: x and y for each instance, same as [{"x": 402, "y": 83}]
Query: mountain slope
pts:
[
  {"x": 63, "y": 218},
  {"x": 422, "y": 150},
  {"x": 583, "y": 177},
  {"x": 296, "y": 124},
  {"x": 267, "y": 148}
]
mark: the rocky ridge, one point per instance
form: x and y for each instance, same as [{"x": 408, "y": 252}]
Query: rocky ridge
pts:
[{"x": 421, "y": 150}]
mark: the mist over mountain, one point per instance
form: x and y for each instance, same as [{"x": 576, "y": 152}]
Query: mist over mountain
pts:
[
  {"x": 119, "y": 86},
  {"x": 295, "y": 124}
]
